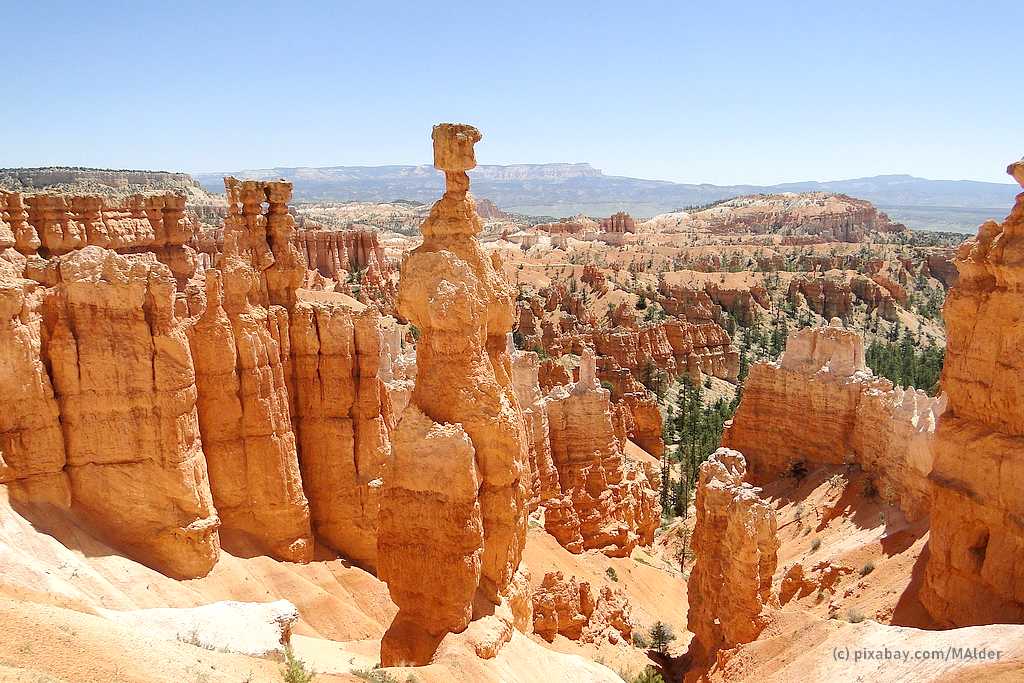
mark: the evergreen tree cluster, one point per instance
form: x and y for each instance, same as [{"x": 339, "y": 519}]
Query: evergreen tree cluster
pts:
[
  {"x": 696, "y": 430},
  {"x": 906, "y": 362}
]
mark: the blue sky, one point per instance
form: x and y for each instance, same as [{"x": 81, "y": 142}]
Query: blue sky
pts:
[{"x": 720, "y": 92}]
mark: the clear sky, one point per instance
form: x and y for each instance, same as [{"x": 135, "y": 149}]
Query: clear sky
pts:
[{"x": 720, "y": 92}]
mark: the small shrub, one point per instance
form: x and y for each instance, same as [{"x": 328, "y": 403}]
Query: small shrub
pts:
[
  {"x": 612, "y": 574},
  {"x": 815, "y": 544},
  {"x": 607, "y": 385},
  {"x": 854, "y": 615},
  {"x": 661, "y": 635},
  {"x": 640, "y": 641},
  {"x": 798, "y": 513},
  {"x": 648, "y": 675},
  {"x": 295, "y": 670},
  {"x": 869, "y": 488},
  {"x": 797, "y": 469},
  {"x": 375, "y": 675},
  {"x": 867, "y": 568}
]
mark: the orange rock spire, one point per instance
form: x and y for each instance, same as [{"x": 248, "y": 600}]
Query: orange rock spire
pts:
[{"x": 453, "y": 510}]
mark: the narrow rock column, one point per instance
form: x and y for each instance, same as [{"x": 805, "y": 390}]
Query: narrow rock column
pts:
[
  {"x": 241, "y": 349},
  {"x": 453, "y": 510},
  {"x": 736, "y": 543}
]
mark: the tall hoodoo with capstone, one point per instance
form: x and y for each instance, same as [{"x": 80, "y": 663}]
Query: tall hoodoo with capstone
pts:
[{"x": 453, "y": 511}]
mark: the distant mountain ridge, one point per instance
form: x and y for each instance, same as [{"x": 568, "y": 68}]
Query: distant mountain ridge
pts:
[{"x": 566, "y": 189}]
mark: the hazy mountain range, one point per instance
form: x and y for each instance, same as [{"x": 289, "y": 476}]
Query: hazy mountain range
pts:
[{"x": 568, "y": 189}]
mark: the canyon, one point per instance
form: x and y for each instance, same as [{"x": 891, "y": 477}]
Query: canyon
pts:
[{"x": 239, "y": 429}]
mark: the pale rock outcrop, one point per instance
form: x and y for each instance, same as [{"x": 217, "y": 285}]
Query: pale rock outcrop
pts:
[
  {"x": 454, "y": 505},
  {"x": 254, "y": 629},
  {"x": 820, "y": 404},
  {"x": 974, "y": 573},
  {"x": 570, "y": 607},
  {"x": 126, "y": 388},
  {"x": 735, "y": 542},
  {"x": 241, "y": 346}
]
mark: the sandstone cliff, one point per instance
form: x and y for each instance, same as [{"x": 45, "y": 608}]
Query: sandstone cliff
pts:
[
  {"x": 230, "y": 396},
  {"x": 612, "y": 498},
  {"x": 242, "y": 349},
  {"x": 820, "y": 404},
  {"x": 974, "y": 574}
]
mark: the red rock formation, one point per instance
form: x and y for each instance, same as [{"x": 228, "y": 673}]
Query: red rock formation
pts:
[
  {"x": 674, "y": 347},
  {"x": 14, "y": 218},
  {"x": 620, "y": 222},
  {"x": 735, "y": 543},
  {"x": 613, "y": 498},
  {"x": 128, "y": 410},
  {"x": 941, "y": 267},
  {"x": 647, "y": 422},
  {"x": 341, "y": 409},
  {"x": 974, "y": 574},
  {"x": 241, "y": 347},
  {"x": 744, "y": 304},
  {"x": 821, "y": 405},
  {"x": 569, "y": 607},
  {"x": 827, "y": 294},
  {"x": 877, "y": 297},
  {"x": 57, "y": 224},
  {"x": 32, "y": 455},
  {"x": 453, "y": 511},
  {"x": 595, "y": 278}
]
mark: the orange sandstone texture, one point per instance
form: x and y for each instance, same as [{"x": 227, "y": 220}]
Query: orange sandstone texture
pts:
[
  {"x": 974, "y": 573},
  {"x": 820, "y": 404},
  {"x": 241, "y": 345},
  {"x": 735, "y": 542},
  {"x": 126, "y": 387},
  {"x": 612, "y": 498},
  {"x": 569, "y": 607},
  {"x": 454, "y": 505}
]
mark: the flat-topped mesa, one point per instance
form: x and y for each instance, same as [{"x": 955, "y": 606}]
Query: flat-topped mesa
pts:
[
  {"x": 454, "y": 505},
  {"x": 735, "y": 541},
  {"x": 974, "y": 574},
  {"x": 821, "y": 405}
]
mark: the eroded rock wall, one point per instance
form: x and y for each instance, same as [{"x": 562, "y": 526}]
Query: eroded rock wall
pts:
[
  {"x": 820, "y": 404},
  {"x": 227, "y": 394},
  {"x": 126, "y": 387},
  {"x": 974, "y": 574}
]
